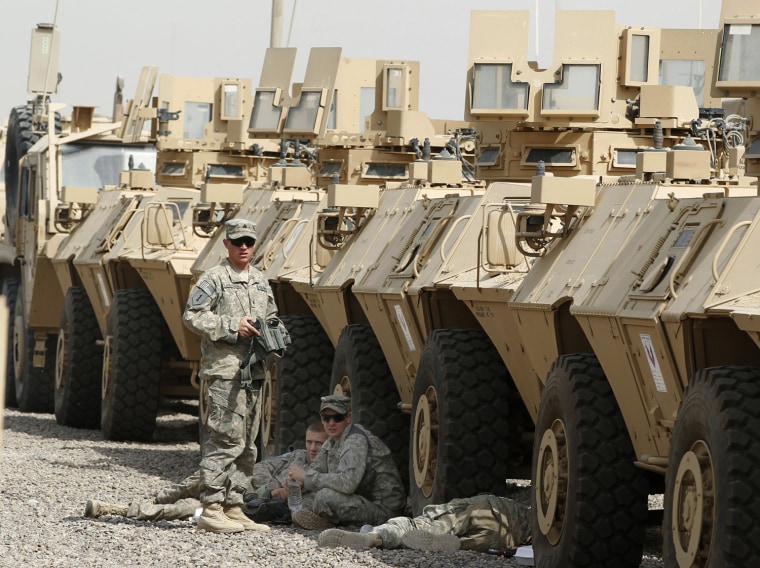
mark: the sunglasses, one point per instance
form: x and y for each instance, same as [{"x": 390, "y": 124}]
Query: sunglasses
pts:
[
  {"x": 333, "y": 418},
  {"x": 247, "y": 241}
]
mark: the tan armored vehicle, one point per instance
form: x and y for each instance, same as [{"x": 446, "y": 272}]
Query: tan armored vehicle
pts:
[
  {"x": 633, "y": 343},
  {"x": 126, "y": 269},
  {"x": 397, "y": 300},
  {"x": 54, "y": 170},
  {"x": 347, "y": 148}
]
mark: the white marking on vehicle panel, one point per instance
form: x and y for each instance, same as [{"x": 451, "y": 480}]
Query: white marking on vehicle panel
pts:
[
  {"x": 654, "y": 365},
  {"x": 404, "y": 328}
]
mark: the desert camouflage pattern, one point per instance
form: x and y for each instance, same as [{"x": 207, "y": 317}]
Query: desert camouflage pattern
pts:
[
  {"x": 480, "y": 522},
  {"x": 272, "y": 473},
  {"x": 216, "y": 303},
  {"x": 180, "y": 500},
  {"x": 337, "y": 474},
  {"x": 219, "y": 299}
]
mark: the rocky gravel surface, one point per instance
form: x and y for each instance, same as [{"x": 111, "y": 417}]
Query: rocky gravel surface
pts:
[{"x": 50, "y": 471}]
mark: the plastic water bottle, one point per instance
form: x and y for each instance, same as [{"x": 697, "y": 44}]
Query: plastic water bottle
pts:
[{"x": 294, "y": 496}]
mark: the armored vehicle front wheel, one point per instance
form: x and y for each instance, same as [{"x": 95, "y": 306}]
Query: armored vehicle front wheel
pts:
[
  {"x": 10, "y": 291},
  {"x": 294, "y": 384},
  {"x": 360, "y": 372},
  {"x": 79, "y": 363},
  {"x": 712, "y": 493},
  {"x": 589, "y": 500},
  {"x": 459, "y": 437},
  {"x": 131, "y": 367},
  {"x": 34, "y": 386}
]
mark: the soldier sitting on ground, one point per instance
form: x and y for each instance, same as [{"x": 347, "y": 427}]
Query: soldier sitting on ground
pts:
[
  {"x": 483, "y": 523},
  {"x": 354, "y": 477},
  {"x": 180, "y": 500}
]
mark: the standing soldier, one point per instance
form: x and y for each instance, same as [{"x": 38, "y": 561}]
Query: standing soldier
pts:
[{"x": 227, "y": 307}]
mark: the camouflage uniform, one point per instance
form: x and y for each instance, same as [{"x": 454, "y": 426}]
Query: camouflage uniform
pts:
[
  {"x": 180, "y": 500},
  {"x": 219, "y": 299},
  {"x": 343, "y": 495},
  {"x": 480, "y": 522}
]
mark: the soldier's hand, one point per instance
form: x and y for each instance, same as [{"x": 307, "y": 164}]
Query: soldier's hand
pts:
[
  {"x": 246, "y": 329},
  {"x": 281, "y": 492}
]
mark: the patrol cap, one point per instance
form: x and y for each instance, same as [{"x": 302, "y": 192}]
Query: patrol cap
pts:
[
  {"x": 236, "y": 228},
  {"x": 336, "y": 402}
]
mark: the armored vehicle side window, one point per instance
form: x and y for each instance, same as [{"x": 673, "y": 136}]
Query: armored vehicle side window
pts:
[
  {"x": 550, "y": 156},
  {"x": 385, "y": 171},
  {"x": 303, "y": 117},
  {"x": 624, "y": 157},
  {"x": 576, "y": 90},
  {"x": 639, "y": 58},
  {"x": 739, "y": 61},
  {"x": 494, "y": 89},
  {"x": 266, "y": 116},
  {"x": 196, "y": 117},
  {"x": 230, "y": 101},
  {"x": 366, "y": 106},
  {"x": 329, "y": 169},
  {"x": 96, "y": 165},
  {"x": 173, "y": 169},
  {"x": 488, "y": 157},
  {"x": 684, "y": 72},
  {"x": 394, "y": 89},
  {"x": 226, "y": 170}
]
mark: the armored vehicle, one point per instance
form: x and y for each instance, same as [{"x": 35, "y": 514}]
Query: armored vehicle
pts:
[
  {"x": 347, "y": 147},
  {"x": 406, "y": 298},
  {"x": 54, "y": 169},
  {"x": 633, "y": 343}
]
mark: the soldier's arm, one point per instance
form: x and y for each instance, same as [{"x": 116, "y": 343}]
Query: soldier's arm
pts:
[
  {"x": 353, "y": 461},
  {"x": 200, "y": 314}
]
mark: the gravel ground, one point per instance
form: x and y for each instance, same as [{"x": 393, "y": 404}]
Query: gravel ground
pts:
[{"x": 50, "y": 471}]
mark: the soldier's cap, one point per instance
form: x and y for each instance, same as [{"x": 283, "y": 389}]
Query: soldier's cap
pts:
[
  {"x": 237, "y": 228},
  {"x": 336, "y": 402}
]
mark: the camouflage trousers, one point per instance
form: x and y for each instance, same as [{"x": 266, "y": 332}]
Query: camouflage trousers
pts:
[
  {"x": 349, "y": 509},
  {"x": 150, "y": 511},
  {"x": 480, "y": 522},
  {"x": 178, "y": 501},
  {"x": 228, "y": 450}
]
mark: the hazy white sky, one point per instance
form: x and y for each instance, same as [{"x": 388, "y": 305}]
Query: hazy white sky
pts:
[{"x": 102, "y": 39}]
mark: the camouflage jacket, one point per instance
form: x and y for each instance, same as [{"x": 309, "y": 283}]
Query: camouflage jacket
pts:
[
  {"x": 271, "y": 473},
  {"x": 216, "y": 303},
  {"x": 340, "y": 465}
]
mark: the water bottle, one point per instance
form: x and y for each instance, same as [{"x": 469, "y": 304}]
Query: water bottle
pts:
[{"x": 294, "y": 496}]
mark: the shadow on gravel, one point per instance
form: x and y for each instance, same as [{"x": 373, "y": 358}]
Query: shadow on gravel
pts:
[{"x": 175, "y": 425}]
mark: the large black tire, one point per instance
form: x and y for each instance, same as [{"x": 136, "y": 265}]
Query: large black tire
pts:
[
  {"x": 131, "y": 367},
  {"x": 35, "y": 386},
  {"x": 589, "y": 500},
  {"x": 360, "y": 372},
  {"x": 459, "y": 436},
  {"x": 79, "y": 363},
  {"x": 10, "y": 292},
  {"x": 20, "y": 138},
  {"x": 712, "y": 496},
  {"x": 297, "y": 382}
]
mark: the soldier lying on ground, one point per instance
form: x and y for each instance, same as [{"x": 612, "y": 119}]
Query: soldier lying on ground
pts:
[
  {"x": 180, "y": 500},
  {"x": 354, "y": 477},
  {"x": 477, "y": 523}
]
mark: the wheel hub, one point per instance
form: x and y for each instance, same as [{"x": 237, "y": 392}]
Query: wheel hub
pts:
[
  {"x": 424, "y": 446},
  {"x": 693, "y": 500},
  {"x": 551, "y": 482},
  {"x": 60, "y": 355}
]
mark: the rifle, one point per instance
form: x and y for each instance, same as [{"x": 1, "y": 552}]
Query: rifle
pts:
[{"x": 273, "y": 338}]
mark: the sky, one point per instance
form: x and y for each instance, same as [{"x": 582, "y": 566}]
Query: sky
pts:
[{"x": 104, "y": 39}]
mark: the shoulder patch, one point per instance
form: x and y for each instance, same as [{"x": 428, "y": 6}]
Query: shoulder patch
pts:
[{"x": 201, "y": 294}]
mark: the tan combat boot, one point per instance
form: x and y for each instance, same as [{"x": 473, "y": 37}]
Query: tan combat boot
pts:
[
  {"x": 213, "y": 519},
  {"x": 236, "y": 514},
  {"x": 337, "y": 537},
  {"x": 95, "y": 509}
]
